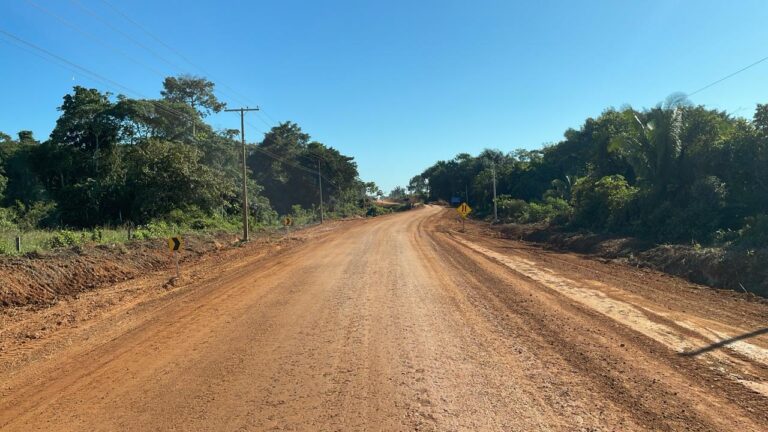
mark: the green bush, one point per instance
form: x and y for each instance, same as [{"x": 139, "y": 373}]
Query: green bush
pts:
[
  {"x": 602, "y": 203},
  {"x": 347, "y": 209},
  {"x": 375, "y": 210},
  {"x": 34, "y": 215},
  {"x": 65, "y": 238},
  {"x": 218, "y": 223},
  {"x": 755, "y": 231},
  {"x": 177, "y": 217},
  {"x": 511, "y": 209},
  {"x": 723, "y": 236},
  {"x": 199, "y": 224},
  {"x": 302, "y": 216},
  {"x": 7, "y": 218},
  {"x": 702, "y": 216},
  {"x": 156, "y": 229},
  {"x": 553, "y": 210}
]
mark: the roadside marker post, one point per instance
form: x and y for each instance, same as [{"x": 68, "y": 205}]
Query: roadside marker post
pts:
[
  {"x": 464, "y": 209},
  {"x": 175, "y": 244},
  {"x": 287, "y": 222}
]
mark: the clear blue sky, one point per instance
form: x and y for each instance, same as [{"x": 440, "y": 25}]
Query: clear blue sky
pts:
[{"x": 397, "y": 84}]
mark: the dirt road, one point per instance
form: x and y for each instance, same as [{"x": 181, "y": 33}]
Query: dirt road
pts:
[{"x": 401, "y": 323}]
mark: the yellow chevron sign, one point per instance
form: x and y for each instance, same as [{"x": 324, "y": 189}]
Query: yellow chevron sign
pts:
[
  {"x": 464, "y": 209},
  {"x": 175, "y": 243}
]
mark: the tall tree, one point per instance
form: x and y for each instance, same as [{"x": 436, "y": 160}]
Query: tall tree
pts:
[
  {"x": 286, "y": 163},
  {"x": 196, "y": 92}
]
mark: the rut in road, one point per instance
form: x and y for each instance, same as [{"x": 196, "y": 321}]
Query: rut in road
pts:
[{"x": 393, "y": 323}]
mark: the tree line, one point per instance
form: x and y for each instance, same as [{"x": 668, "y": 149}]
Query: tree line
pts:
[
  {"x": 676, "y": 172},
  {"x": 114, "y": 160}
]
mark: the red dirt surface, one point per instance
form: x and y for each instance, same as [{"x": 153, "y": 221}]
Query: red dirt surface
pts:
[
  {"x": 43, "y": 279},
  {"x": 392, "y": 323}
]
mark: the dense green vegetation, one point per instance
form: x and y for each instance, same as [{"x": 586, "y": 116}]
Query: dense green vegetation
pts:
[
  {"x": 673, "y": 173},
  {"x": 112, "y": 161}
]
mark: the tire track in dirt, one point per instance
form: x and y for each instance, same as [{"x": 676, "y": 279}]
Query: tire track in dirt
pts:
[
  {"x": 639, "y": 374},
  {"x": 385, "y": 324}
]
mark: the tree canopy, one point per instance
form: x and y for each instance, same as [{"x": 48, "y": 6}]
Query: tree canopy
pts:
[
  {"x": 113, "y": 159},
  {"x": 289, "y": 165},
  {"x": 674, "y": 172},
  {"x": 194, "y": 91}
]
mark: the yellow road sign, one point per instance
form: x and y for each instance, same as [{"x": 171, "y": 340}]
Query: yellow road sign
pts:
[
  {"x": 464, "y": 209},
  {"x": 287, "y": 221},
  {"x": 175, "y": 243}
]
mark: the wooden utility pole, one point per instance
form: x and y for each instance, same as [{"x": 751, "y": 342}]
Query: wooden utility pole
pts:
[
  {"x": 320, "y": 182},
  {"x": 466, "y": 193},
  {"x": 495, "y": 212},
  {"x": 245, "y": 177}
]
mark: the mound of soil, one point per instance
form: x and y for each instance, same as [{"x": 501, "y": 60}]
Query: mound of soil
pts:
[
  {"x": 43, "y": 278},
  {"x": 737, "y": 269}
]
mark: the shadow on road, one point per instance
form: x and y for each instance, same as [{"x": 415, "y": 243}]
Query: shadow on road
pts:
[{"x": 724, "y": 342}]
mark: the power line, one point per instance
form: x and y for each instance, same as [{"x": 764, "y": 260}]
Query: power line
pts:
[
  {"x": 270, "y": 118},
  {"x": 94, "y": 38},
  {"x": 234, "y": 93},
  {"x": 63, "y": 60},
  {"x": 90, "y": 12},
  {"x": 160, "y": 42},
  {"x": 320, "y": 176},
  {"x": 94, "y": 75},
  {"x": 310, "y": 156},
  {"x": 41, "y": 56},
  {"x": 132, "y": 39},
  {"x": 727, "y": 76},
  {"x": 126, "y": 35},
  {"x": 111, "y": 47},
  {"x": 265, "y": 122},
  {"x": 275, "y": 156},
  {"x": 291, "y": 163},
  {"x": 304, "y": 156},
  {"x": 286, "y": 161},
  {"x": 122, "y": 53}
]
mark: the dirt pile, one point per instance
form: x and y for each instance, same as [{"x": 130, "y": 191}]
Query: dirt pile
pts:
[
  {"x": 737, "y": 269},
  {"x": 42, "y": 279}
]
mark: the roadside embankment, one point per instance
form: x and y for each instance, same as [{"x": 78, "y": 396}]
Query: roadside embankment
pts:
[
  {"x": 42, "y": 278},
  {"x": 739, "y": 269}
]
